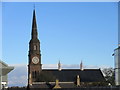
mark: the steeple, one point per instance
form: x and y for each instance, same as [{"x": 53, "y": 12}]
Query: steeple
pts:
[
  {"x": 34, "y": 66},
  {"x": 34, "y": 27}
]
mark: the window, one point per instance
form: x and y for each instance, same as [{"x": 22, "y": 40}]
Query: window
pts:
[
  {"x": 35, "y": 47},
  {"x": 33, "y": 75}
]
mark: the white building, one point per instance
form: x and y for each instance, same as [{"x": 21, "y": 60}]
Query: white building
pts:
[
  {"x": 4, "y": 70},
  {"x": 117, "y": 65},
  {"x": 117, "y": 53}
]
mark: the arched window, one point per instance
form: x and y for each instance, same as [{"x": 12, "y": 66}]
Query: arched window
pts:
[
  {"x": 37, "y": 74},
  {"x": 33, "y": 74},
  {"x": 35, "y": 47}
]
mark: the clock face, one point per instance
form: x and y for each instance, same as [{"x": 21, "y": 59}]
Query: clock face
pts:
[{"x": 35, "y": 60}]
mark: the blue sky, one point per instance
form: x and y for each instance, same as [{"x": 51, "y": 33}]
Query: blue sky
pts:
[
  {"x": 1, "y": 30},
  {"x": 69, "y": 32}
]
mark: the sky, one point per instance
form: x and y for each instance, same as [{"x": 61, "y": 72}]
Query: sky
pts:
[
  {"x": 0, "y": 30},
  {"x": 68, "y": 31},
  {"x": 118, "y": 23}
]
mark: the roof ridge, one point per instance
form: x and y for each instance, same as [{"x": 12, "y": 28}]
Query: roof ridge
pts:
[{"x": 3, "y": 63}]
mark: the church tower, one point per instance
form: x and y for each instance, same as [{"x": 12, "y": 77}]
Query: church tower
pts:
[{"x": 34, "y": 56}]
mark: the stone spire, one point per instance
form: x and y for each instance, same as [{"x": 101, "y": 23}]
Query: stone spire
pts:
[
  {"x": 59, "y": 66},
  {"x": 34, "y": 27},
  {"x": 34, "y": 56},
  {"x": 81, "y": 66}
]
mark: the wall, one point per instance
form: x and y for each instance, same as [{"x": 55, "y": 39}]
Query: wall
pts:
[
  {"x": 117, "y": 66},
  {"x": 81, "y": 88}
]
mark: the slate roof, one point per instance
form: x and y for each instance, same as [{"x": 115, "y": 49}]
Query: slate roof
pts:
[
  {"x": 49, "y": 85},
  {"x": 40, "y": 86},
  {"x": 70, "y": 75}
]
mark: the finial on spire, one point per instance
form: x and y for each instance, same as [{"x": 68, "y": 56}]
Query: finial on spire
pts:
[{"x": 59, "y": 66}]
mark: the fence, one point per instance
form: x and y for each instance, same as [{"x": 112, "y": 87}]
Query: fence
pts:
[{"x": 81, "y": 88}]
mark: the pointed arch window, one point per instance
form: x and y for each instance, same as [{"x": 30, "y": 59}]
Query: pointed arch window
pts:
[
  {"x": 37, "y": 74},
  {"x": 33, "y": 74},
  {"x": 35, "y": 47}
]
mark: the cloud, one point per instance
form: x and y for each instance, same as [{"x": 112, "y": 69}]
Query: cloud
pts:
[
  {"x": 73, "y": 66},
  {"x": 18, "y": 77}
]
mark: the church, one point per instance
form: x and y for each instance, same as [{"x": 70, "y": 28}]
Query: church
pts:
[{"x": 56, "y": 78}]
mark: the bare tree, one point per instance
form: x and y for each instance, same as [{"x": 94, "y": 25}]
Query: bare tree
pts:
[{"x": 109, "y": 75}]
